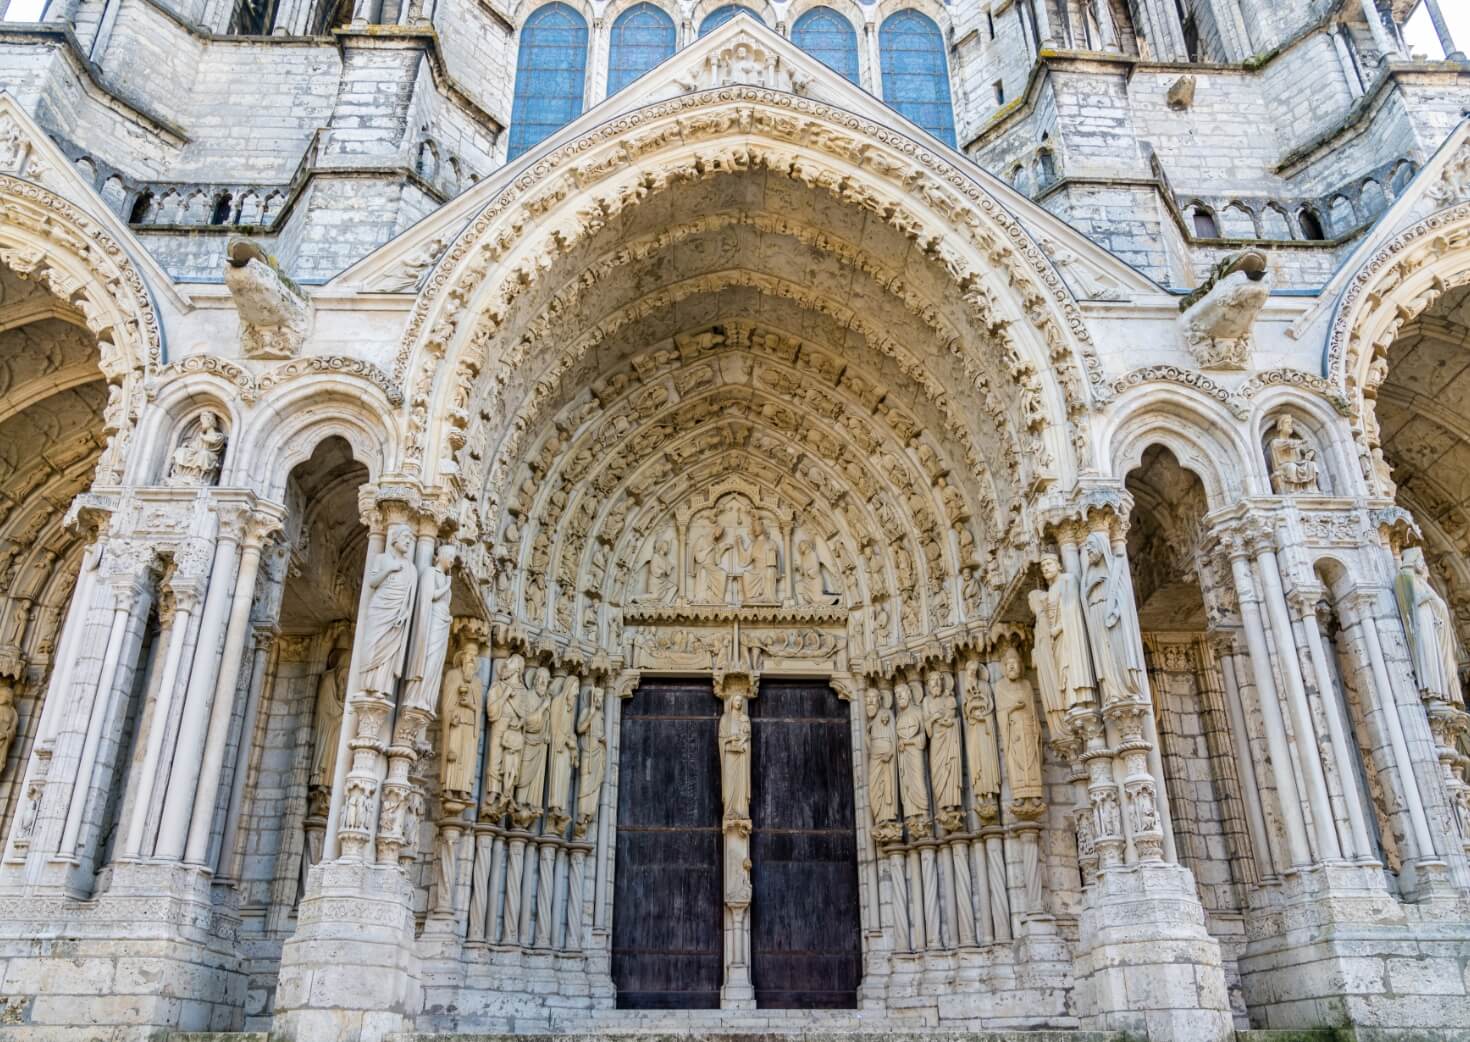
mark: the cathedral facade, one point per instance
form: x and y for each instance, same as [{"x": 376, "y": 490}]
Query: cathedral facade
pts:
[{"x": 586, "y": 516}]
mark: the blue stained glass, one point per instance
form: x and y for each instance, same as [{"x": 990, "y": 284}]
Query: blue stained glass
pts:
[
  {"x": 829, "y": 38},
  {"x": 642, "y": 37},
  {"x": 551, "y": 70},
  {"x": 915, "y": 77},
  {"x": 720, "y": 15}
]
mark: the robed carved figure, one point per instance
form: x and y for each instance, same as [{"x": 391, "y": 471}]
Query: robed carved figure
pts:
[
  {"x": 980, "y": 737},
  {"x": 944, "y": 748},
  {"x": 1021, "y": 734},
  {"x": 1109, "y": 598},
  {"x": 533, "y": 710},
  {"x": 460, "y": 713},
  {"x": 506, "y": 741},
  {"x": 882, "y": 770},
  {"x": 1068, "y": 632},
  {"x": 331, "y": 694},
  {"x": 735, "y": 759},
  {"x": 430, "y": 641},
  {"x": 913, "y": 790},
  {"x": 392, "y": 580},
  {"x": 1430, "y": 628},
  {"x": 593, "y": 766},
  {"x": 1044, "y": 661},
  {"x": 562, "y": 722}
]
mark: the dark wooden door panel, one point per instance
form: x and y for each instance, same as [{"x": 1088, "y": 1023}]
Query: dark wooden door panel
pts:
[
  {"x": 805, "y": 934},
  {"x": 667, "y": 944}
]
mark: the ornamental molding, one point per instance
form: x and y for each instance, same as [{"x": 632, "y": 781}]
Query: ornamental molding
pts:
[{"x": 251, "y": 387}]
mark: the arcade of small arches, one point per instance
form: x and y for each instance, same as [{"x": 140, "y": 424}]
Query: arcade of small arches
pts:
[{"x": 757, "y": 414}]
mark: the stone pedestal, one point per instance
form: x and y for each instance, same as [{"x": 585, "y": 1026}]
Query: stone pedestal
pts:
[
  {"x": 350, "y": 972},
  {"x": 1144, "y": 962}
]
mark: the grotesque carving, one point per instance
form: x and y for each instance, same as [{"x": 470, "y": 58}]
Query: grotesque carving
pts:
[
  {"x": 196, "y": 461},
  {"x": 1110, "y": 622},
  {"x": 430, "y": 642},
  {"x": 275, "y": 315},
  {"x": 392, "y": 582},
  {"x": 1293, "y": 462},
  {"x": 1430, "y": 629},
  {"x": 1217, "y": 317}
]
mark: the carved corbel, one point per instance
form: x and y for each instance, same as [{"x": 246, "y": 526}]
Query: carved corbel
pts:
[
  {"x": 275, "y": 314},
  {"x": 1217, "y": 317}
]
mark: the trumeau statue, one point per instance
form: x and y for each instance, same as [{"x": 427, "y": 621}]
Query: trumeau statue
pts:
[
  {"x": 533, "y": 711},
  {"x": 430, "y": 640},
  {"x": 944, "y": 747},
  {"x": 913, "y": 790},
  {"x": 1068, "y": 633},
  {"x": 331, "y": 696},
  {"x": 196, "y": 461},
  {"x": 980, "y": 731},
  {"x": 504, "y": 744},
  {"x": 562, "y": 720},
  {"x": 460, "y": 713},
  {"x": 1294, "y": 467},
  {"x": 1109, "y": 621},
  {"x": 1044, "y": 661},
  {"x": 1020, "y": 732},
  {"x": 593, "y": 763},
  {"x": 882, "y": 771},
  {"x": 393, "y": 581},
  {"x": 735, "y": 759},
  {"x": 1430, "y": 629}
]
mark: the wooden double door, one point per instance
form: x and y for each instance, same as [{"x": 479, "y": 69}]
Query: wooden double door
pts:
[{"x": 806, "y": 948}]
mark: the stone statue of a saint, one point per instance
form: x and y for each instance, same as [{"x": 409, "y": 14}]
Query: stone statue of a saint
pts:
[
  {"x": 331, "y": 696},
  {"x": 1044, "y": 661},
  {"x": 944, "y": 747},
  {"x": 735, "y": 759},
  {"x": 505, "y": 742},
  {"x": 9, "y": 721},
  {"x": 812, "y": 578},
  {"x": 460, "y": 712},
  {"x": 709, "y": 580},
  {"x": 1430, "y": 629},
  {"x": 392, "y": 582},
  {"x": 196, "y": 461},
  {"x": 1020, "y": 732},
  {"x": 909, "y": 726},
  {"x": 882, "y": 770},
  {"x": 762, "y": 578},
  {"x": 980, "y": 731},
  {"x": 663, "y": 578},
  {"x": 533, "y": 711},
  {"x": 430, "y": 641},
  {"x": 593, "y": 764},
  {"x": 1110, "y": 620},
  {"x": 1068, "y": 632},
  {"x": 562, "y": 724},
  {"x": 1294, "y": 466}
]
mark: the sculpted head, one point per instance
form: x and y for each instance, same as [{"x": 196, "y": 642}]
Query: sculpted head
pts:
[
  {"x": 1413, "y": 559},
  {"x": 1051, "y": 567},
  {"x": 445, "y": 555},
  {"x": 515, "y": 666},
  {"x": 541, "y": 680},
  {"x": 1010, "y": 664},
  {"x": 209, "y": 421},
  {"x": 871, "y": 700},
  {"x": 1285, "y": 426},
  {"x": 901, "y": 694},
  {"x": 400, "y": 538},
  {"x": 1097, "y": 548}
]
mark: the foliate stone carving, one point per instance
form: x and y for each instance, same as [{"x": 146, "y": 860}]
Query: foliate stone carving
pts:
[
  {"x": 1294, "y": 467},
  {"x": 393, "y": 582},
  {"x": 1218, "y": 316},
  {"x": 1111, "y": 621},
  {"x": 1020, "y": 736},
  {"x": 275, "y": 315},
  {"x": 197, "y": 459},
  {"x": 1430, "y": 629}
]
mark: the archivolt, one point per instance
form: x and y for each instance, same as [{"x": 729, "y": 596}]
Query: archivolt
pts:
[{"x": 1027, "y": 313}]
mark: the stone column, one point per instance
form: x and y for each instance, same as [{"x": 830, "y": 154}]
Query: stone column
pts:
[
  {"x": 738, "y": 991},
  {"x": 1381, "y": 39},
  {"x": 1442, "y": 30},
  {"x": 260, "y": 526}
]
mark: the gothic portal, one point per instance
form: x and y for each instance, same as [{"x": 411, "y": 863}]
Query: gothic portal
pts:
[{"x": 626, "y": 517}]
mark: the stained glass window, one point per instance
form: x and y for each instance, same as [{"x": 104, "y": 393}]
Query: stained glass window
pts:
[
  {"x": 720, "y": 15},
  {"x": 915, "y": 77},
  {"x": 551, "y": 70},
  {"x": 829, "y": 38},
  {"x": 642, "y": 37}
]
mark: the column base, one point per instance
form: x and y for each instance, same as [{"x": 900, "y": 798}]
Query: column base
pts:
[
  {"x": 1144, "y": 961},
  {"x": 350, "y": 972}
]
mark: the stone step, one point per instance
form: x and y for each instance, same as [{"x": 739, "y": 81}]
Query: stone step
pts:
[{"x": 777, "y": 1030}]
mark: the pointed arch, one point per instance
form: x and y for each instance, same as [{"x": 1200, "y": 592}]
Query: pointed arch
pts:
[{"x": 551, "y": 75}]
